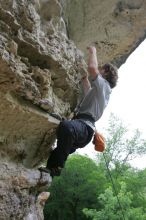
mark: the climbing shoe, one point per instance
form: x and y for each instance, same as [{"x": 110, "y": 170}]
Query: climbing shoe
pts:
[
  {"x": 52, "y": 171},
  {"x": 55, "y": 171},
  {"x": 44, "y": 169}
]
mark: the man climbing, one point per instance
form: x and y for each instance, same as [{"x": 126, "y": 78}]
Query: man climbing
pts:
[{"x": 78, "y": 132}]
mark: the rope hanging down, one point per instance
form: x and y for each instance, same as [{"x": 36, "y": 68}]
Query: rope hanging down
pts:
[{"x": 113, "y": 186}]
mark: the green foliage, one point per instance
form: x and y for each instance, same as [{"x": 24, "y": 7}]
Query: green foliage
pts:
[
  {"x": 129, "y": 183},
  {"x": 121, "y": 145},
  {"x": 111, "y": 210},
  {"x": 76, "y": 188}
]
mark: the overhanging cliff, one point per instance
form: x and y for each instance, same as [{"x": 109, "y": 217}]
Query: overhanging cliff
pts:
[
  {"x": 115, "y": 27},
  {"x": 39, "y": 57}
]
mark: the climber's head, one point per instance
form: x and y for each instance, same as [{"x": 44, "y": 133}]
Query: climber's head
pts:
[{"x": 110, "y": 73}]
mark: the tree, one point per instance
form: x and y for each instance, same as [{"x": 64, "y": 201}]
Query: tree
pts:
[
  {"x": 78, "y": 186},
  {"x": 122, "y": 145},
  {"x": 112, "y": 210}
]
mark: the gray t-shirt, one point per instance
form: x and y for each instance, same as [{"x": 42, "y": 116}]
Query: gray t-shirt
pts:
[{"x": 96, "y": 99}]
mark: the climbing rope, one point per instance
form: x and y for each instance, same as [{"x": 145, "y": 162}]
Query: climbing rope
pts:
[{"x": 113, "y": 186}]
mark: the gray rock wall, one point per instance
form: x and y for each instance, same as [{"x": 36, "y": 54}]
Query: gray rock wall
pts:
[
  {"x": 116, "y": 27},
  {"x": 37, "y": 61},
  {"x": 39, "y": 57}
]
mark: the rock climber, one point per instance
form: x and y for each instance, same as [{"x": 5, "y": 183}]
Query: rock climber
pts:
[{"x": 78, "y": 132}]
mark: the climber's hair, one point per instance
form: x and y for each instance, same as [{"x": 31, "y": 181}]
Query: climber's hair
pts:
[{"x": 112, "y": 74}]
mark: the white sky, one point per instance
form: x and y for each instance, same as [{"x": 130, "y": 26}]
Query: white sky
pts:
[{"x": 128, "y": 100}]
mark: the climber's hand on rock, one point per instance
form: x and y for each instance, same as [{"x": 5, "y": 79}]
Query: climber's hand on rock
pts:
[
  {"x": 85, "y": 77},
  {"x": 92, "y": 49},
  {"x": 46, "y": 104}
]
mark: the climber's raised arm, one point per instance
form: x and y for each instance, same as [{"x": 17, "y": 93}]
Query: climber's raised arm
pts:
[{"x": 92, "y": 62}]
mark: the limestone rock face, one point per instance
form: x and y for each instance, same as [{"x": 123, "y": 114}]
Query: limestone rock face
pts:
[
  {"x": 20, "y": 192},
  {"x": 39, "y": 61},
  {"x": 116, "y": 27}
]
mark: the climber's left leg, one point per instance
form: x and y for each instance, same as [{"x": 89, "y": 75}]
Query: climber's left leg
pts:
[{"x": 70, "y": 136}]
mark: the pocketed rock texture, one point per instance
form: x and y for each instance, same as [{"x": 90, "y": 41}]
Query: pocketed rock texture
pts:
[
  {"x": 39, "y": 61},
  {"x": 20, "y": 191},
  {"x": 116, "y": 27}
]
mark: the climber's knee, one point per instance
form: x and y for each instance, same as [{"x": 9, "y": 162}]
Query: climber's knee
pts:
[{"x": 65, "y": 127}]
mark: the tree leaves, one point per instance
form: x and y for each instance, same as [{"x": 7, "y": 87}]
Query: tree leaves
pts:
[{"x": 110, "y": 208}]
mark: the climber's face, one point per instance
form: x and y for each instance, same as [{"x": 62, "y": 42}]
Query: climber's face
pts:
[{"x": 102, "y": 72}]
